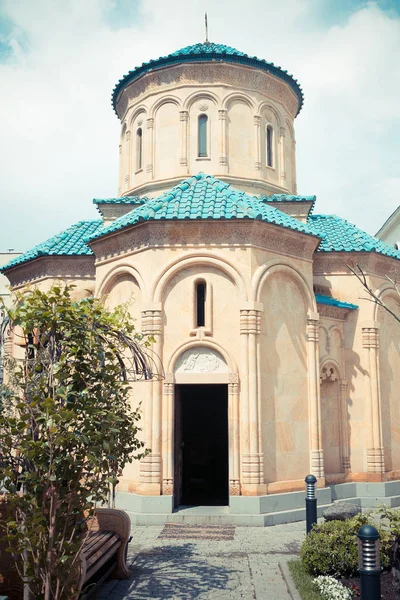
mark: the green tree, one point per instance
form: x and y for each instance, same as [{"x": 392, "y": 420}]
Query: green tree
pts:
[{"x": 66, "y": 427}]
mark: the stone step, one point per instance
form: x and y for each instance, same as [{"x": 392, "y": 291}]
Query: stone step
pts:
[{"x": 223, "y": 518}]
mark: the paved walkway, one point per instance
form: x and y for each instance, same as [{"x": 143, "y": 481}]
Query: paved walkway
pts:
[{"x": 207, "y": 563}]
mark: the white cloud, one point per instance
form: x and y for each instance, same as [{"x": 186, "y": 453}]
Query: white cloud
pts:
[{"x": 59, "y": 136}]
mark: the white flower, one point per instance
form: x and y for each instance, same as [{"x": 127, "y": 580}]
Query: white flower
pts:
[{"x": 331, "y": 589}]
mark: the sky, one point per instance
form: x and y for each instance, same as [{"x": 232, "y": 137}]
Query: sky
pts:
[{"x": 60, "y": 59}]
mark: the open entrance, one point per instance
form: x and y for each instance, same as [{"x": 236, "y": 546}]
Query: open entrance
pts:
[{"x": 201, "y": 445}]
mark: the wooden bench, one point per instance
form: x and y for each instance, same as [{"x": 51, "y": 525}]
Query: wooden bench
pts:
[{"x": 104, "y": 551}]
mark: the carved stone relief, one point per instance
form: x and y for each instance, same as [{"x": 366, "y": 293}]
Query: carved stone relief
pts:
[{"x": 201, "y": 360}]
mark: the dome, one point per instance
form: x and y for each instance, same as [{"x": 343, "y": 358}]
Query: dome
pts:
[{"x": 208, "y": 51}]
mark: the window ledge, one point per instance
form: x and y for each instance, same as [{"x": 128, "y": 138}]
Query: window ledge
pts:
[
  {"x": 203, "y": 158},
  {"x": 198, "y": 330}
]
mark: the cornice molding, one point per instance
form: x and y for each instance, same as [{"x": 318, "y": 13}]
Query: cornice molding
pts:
[
  {"x": 203, "y": 234},
  {"x": 52, "y": 267}
]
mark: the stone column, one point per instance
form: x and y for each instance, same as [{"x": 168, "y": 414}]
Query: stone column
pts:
[
  {"x": 375, "y": 451},
  {"x": 344, "y": 426},
  {"x": 168, "y": 435},
  {"x": 184, "y": 118},
  {"x": 233, "y": 420},
  {"x": 150, "y": 148},
  {"x": 257, "y": 143},
  {"x": 282, "y": 172},
  {"x": 223, "y": 159},
  {"x": 252, "y": 458},
  {"x": 150, "y": 466},
  {"x": 314, "y": 397}
]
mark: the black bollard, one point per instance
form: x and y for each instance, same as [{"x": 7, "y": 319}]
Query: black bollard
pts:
[
  {"x": 311, "y": 502},
  {"x": 369, "y": 563}
]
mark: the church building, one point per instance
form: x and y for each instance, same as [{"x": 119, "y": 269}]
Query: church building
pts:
[{"x": 274, "y": 364}]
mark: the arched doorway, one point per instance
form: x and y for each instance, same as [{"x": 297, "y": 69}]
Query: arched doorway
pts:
[{"x": 201, "y": 444}]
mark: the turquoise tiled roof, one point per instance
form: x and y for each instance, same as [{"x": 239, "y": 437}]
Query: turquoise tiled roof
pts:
[
  {"x": 280, "y": 198},
  {"x": 67, "y": 243},
  {"x": 208, "y": 51},
  {"x": 333, "y": 302},
  {"x": 341, "y": 236},
  {"x": 122, "y": 200},
  {"x": 204, "y": 197}
]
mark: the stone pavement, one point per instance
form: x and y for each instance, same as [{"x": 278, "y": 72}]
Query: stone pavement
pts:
[{"x": 228, "y": 562}]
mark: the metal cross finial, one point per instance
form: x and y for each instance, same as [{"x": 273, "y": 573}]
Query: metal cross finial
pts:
[{"x": 206, "y": 22}]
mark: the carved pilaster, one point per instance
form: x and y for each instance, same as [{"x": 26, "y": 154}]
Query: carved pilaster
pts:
[
  {"x": 168, "y": 487},
  {"x": 234, "y": 442},
  {"x": 234, "y": 487},
  {"x": 317, "y": 462},
  {"x": 150, "y": 469},
  {"x": 282, "y": 134},
  {"x": 375, "y": 451},
  {"x": 151, "y": 322},
  {"x": 294, "y": 176},
  {"x": 344, "y": 427},
  {"x": 184, "y": 117},
  {"x": 150, "y": 146},
  {"x": 257, "y": 142},
  {"x": 222, "y": 115},
  {"x": 314, "y": 395},
  {"x": 168, "y": 447},
  {"x": 250, "y": 321},
  {"x": 370, "y": 337},
  {"x": 253, "y": 469},
  {"x": 375, "y": 460}
]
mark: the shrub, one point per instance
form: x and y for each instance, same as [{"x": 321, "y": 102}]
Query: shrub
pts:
[{"x": 331, "y": 548}]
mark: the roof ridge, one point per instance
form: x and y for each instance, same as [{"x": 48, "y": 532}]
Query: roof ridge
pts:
[{"x": 205, "y": 197}]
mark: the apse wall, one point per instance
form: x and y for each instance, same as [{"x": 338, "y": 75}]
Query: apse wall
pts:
[{"x": 284, "y": 388}]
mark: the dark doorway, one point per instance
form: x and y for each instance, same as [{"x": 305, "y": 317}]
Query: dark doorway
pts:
[{"x": 201, "y": 445}]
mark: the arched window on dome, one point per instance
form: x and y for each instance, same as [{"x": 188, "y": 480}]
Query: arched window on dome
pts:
[
  {"x": 269, "y": 146},
  {"x": 200, "y": 304},
  {"x": 139, "y": 149},
  {"x": 202, "y": 136}
]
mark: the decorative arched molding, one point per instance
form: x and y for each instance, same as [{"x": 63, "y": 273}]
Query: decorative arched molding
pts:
[
  {"x": 196, "y": 259},
  {"x": 267, "y": 270},
  {"x": 290, "y": 128},
  {"x": 384, "y": 291},
  {"x": 214, "y": 346},
  {"x": 139, "y": 110},
  {"x": 336, "y": 328},
  {"x": 330, "y": 370},
  {"x": 118, "y": 271},
  {"x": 200, "y": 95},
  {"x": 268, "y": 106},
  {"x": 123, "y": 131},
  {"x": 328, "y": 341},
  {"x": 228, "y": 100},
  {"x": 164, "y": 100}
]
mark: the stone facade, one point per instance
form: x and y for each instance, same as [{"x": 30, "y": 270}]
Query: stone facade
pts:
[{"x": 311, "y": 387}]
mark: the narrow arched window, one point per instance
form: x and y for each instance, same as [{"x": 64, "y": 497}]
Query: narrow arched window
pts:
[
  {"x": 269, "y": 148},
  {"x": 139, "y": 149},
  {"x": 203, "y": 135},
  {"x": 200, "y": 304}
]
